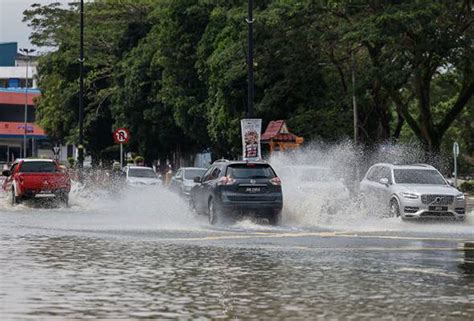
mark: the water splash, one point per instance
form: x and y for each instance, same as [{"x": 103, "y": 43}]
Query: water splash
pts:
[{"x": 307, "y": 205}]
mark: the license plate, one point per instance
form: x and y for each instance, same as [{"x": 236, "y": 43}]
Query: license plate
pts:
[
  {"x": 45, "y": 191},
  {"x": 438, "y": 208},
  {"x": 253, "y": 190}
]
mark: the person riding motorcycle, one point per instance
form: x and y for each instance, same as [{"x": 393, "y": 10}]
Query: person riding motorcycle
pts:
[{"x": 117, "y": 176}]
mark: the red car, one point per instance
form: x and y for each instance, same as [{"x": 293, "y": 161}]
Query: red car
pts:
[{"x": 36, "y": 178}]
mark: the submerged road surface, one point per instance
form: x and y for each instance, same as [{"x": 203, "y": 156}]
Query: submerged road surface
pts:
[{"x": 147, "y": 256}]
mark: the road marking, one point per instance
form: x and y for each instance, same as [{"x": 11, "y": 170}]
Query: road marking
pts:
[{"x": 316, "y": 234}]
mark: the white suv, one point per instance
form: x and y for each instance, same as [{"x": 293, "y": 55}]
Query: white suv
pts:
[{"x": 411, "y": 191}]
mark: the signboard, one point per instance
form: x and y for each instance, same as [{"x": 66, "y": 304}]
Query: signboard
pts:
[
  {"x": 455, "y": 154},
  {"x": 56, "y": 150},
  {"x": 121, "y": 135},
  {"x": 456, "y": 149},
  {"x": 251, "y": 148}
]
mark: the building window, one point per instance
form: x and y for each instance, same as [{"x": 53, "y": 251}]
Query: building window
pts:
[
  {"x": 70, "y": 151},
  {"x": 22, "y": 83}
]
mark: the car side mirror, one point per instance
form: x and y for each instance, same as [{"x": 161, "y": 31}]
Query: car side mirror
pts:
[
  {"x": 384, "y": 181},
  {"x": 451, "y": 182},
  {"x": 197, "y": 179},
  {"x": 6, "y": 173}
]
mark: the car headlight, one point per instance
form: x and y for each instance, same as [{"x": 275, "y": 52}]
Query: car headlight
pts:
[
  {"x": 412, "y": 196},
  {"x": 460, "y": 197}
]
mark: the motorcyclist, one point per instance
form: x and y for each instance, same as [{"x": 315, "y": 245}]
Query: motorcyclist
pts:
[{"x": 117, "y": 176}]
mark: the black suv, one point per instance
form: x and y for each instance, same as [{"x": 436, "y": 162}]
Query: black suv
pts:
[{"x": 236, "y": 187}]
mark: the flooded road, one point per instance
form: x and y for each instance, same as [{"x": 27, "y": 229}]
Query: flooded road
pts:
[{"x": 146, "y": 256}]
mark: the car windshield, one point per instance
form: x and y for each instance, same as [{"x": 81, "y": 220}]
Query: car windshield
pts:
[
  {"x": 38, "y": 167},
  {"x": 418, "y": 176},
  {"x": 191, "y": 173},
  {"x": 250, "y": 170},
  {"x": 141, "y": 172}
]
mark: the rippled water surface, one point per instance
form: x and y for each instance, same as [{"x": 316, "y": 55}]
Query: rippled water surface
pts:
[{"x": 133, "y": 261}]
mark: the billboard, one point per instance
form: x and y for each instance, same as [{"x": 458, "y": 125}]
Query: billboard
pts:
[{"x": 251, "y": 129}]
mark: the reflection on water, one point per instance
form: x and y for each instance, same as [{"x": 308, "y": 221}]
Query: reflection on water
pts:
[
  {"x": 467, "y": 264},
  {"x": 73, "y": 276}
]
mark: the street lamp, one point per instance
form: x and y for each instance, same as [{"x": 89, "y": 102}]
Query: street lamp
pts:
[
  {"x": 27, "y": 53},
  {"x": 250, "y": 89},
  {"x": 80, "y": 156}
]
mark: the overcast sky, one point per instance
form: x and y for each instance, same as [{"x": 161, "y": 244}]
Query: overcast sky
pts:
[{"x": 11, "y": 14}]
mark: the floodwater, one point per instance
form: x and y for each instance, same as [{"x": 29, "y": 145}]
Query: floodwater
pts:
[{"x": 142, "y": 254}]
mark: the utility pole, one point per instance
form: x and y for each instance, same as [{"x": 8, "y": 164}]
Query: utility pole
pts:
[
  {"x": 80, "y": 156},
  {"x": 354, "y": 101},
  {"x": 356, "y": 125},
  {"x": 26, "y": 52},
  {"x": 250, "y": 21}
]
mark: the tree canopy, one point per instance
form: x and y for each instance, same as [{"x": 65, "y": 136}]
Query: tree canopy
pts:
[{"x": 174, "y": 72}]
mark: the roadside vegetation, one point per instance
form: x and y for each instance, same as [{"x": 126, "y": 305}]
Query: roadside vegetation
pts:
[{"x": 174, "y": 72}]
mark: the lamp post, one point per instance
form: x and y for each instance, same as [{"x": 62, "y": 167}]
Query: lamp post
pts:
[
  {"x": 26, "y": 52},
  {"x": 80, "y": 156},
  {"x": 354, "y": 101},
  {"x": 250, "y": 21}
]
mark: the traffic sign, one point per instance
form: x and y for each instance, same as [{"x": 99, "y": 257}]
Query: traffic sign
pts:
[
  {"x": 456, "y": 154},
  {"x": 456, "y": 149},
  {"x": 121, "y": 135},
  {"x": 56, "y": 150}
]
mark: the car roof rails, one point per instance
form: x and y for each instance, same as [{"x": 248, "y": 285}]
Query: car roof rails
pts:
[
  {"x": 413, "y": 164},
  {"x": 222, "y": 160}
]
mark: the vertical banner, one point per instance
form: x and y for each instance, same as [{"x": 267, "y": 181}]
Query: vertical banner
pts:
[{"x": 251, "y": 129}]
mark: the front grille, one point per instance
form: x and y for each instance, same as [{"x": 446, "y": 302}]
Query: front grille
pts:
[
  {"x": 460, "y": 210},
  {"x": 436, "y": 214},
  {"x": 410, "y": 209},
  {"x": 437, "y": 199}
]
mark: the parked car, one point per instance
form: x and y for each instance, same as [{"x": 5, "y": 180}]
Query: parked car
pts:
[
  {"x": 230, "y": 188},
  {"x": 36, "y": 178},
  {"x": 315, "y": 183},
  {"x": 183, "y": 181},
  {"x": 141, "y": 176},
  {"x": 411, "y": 191}
]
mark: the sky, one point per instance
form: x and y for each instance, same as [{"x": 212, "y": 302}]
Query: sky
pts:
[{"x": 12, "y": 29}]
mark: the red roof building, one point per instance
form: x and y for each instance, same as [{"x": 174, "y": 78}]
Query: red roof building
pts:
[{"x": 278, "y": 137}]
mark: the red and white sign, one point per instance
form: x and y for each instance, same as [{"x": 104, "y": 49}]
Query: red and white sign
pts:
[{"x": 121, "y": 135}]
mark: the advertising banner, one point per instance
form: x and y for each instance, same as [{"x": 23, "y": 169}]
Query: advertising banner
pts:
[{"x": 251, "y": 129}]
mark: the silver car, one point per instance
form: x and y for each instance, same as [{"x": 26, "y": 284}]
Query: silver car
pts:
[
  {"x": 141, "y": 176},
  {"x": 411, "y": 191},
  {"x": 183, "y": 181}
]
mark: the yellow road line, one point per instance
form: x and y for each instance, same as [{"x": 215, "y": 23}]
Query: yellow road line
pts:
[{"x": 316, "y": 234}]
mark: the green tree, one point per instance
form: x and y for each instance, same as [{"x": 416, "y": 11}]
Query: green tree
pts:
[{"x": 413, "y": 43}]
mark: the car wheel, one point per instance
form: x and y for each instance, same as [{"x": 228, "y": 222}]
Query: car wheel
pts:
[
  {"x": 64, "y": 198},
  {"x": 14, "y": 199},
  {"x": 213, "y": 212},
  {"x": 192, "y": 206},
  {"x": 364, "y": 205},
  {"x": 394, "y": 208},
  {"x": 275, "y": 218}
]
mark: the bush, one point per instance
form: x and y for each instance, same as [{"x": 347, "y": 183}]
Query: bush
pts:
[
  {"x": 71, "y": 161},
  {"x": 138, "y": 160},
  {"x": 467, "y": 186}
]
